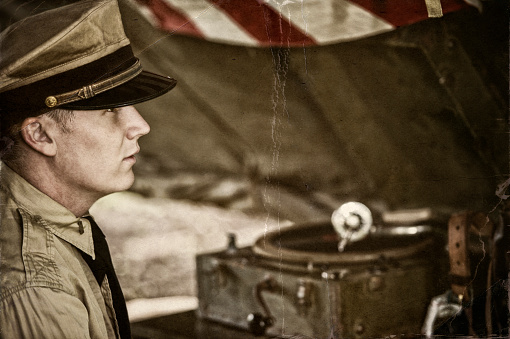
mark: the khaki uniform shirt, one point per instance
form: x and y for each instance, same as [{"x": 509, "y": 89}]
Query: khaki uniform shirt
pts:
[{"x": 47, "y": 289}]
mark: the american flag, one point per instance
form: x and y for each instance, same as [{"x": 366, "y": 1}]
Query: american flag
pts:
[{"x": 290, "y": 23}]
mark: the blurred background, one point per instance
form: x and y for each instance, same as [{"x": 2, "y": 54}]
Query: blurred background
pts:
[{"x": 286, "y": 109}]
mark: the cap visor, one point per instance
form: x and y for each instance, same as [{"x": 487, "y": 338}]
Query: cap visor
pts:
[{"x": 145, "y": 86}]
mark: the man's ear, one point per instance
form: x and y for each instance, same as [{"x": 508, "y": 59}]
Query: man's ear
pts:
[{"x": 34, "y": 132}]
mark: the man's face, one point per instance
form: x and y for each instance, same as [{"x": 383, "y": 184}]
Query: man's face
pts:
[{"x": 97, "y": 153}]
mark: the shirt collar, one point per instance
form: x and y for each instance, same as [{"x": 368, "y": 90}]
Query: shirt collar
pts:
[{"x": 62, "y": 222}]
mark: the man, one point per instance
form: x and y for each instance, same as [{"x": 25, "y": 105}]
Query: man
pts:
[{"x": 68, "y": 80}]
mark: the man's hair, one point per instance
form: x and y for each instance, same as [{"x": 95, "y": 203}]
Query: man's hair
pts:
[
  {"x": 11, "y": 142},
  {"x": 62, "y": 117}
]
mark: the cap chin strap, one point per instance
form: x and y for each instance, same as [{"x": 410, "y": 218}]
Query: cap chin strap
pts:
[{"x": 89, "y": 91}]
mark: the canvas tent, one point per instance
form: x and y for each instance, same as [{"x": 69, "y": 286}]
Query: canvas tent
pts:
[{"x": 410, "y": 117}]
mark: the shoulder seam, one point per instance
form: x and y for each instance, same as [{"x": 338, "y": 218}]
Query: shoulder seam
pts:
[{"x": 32, "y": 284}]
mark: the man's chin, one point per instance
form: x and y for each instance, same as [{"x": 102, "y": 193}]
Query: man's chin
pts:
[
  {"x": 129, "y": 182},
  {"x": 121, "y": 185}
]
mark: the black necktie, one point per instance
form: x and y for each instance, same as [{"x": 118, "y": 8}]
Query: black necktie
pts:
[{"x": 103, "y": 266}]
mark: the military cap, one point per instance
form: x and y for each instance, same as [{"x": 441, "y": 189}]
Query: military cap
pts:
[{"x": 74, "y": 57}]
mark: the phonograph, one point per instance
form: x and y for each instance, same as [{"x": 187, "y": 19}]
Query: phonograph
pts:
[{"x": 353, "y": 277}]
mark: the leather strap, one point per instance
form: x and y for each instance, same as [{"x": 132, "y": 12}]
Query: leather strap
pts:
[
  {"x": 458, "y": 247},
  {"x": 89, "y": 91}
]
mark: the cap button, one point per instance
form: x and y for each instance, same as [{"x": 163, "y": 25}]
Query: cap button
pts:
[{"x": 51, "y": 101}]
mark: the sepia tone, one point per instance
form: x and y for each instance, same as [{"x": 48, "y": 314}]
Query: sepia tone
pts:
[{"x": 256, "y": 143}]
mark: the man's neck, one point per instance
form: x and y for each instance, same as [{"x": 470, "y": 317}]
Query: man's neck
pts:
[{"x": 44, "y": 179}]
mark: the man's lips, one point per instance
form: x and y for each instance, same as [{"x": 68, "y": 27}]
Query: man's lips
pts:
[{"x": 132, "y": 157}]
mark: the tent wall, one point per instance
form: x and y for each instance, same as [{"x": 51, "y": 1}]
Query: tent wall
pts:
[{"x": 416, "y": 117}]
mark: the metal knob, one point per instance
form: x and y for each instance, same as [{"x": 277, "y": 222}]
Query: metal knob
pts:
[{"x": 257, "y": 323}]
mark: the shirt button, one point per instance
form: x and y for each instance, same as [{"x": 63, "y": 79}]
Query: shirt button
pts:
[{"x": 80, "y": 227}]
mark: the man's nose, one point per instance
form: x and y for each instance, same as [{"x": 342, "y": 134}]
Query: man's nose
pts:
[{"x": 137, "y": 126}]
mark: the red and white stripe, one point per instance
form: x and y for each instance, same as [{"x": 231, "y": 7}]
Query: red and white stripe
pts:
[{"x": 288, "y": 22}]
